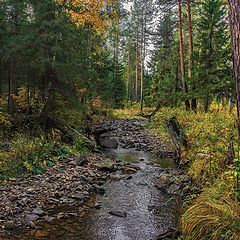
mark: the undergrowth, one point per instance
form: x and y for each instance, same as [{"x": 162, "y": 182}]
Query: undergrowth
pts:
[
  {"x": 26, "y": 154},
  {"x": 27, "y": 147}
]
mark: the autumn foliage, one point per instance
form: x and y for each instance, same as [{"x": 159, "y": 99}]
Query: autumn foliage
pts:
[{"x": 96, "y": 13}]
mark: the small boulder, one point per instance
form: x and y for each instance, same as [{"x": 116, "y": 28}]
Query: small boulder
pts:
[
  {"x": 118, "y": 213},
  {"x": 109, "y": 143},
  {"x": 107, "y": 165},
  {"x": 38, "y": 211},
  {"x": 82, "y": 160},
  {"x": 32, "y": 217}
]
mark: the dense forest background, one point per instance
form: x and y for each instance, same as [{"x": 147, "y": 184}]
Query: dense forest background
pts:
[{"x": 114, "y": 53}]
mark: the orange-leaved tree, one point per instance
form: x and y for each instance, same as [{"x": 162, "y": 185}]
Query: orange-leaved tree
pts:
[{"x": 96, "y": 13}]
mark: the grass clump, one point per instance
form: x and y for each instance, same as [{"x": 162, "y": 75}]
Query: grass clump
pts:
[{"x": 215, "y": 214}]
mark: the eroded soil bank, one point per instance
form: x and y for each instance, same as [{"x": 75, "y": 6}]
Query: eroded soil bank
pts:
[{"x": 130, "y": 190}]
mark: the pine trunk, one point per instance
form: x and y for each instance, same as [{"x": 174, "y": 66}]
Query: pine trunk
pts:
[
  {"x": 136, "y": 71},
  {"x": 143, "y": 46},
  {"x": 184, "y": 84},
  {"x": 234, "y": 19},
  {"x": 128, "y": 71},
  {"x": 190, "y": 49}
]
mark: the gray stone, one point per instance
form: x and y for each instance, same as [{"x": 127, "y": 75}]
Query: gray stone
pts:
[
  {"x": 174, "y": 189},
  {"x": 82, "y": 160},
  {"x": 38, "y": 211},
  {"x": 32, "y": 217},
  {"x": 118, "y": 213},
  {"x": 109, "y": 143}
]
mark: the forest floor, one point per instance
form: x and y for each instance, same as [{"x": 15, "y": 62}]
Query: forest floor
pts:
[{"x": 132, "y": 164}]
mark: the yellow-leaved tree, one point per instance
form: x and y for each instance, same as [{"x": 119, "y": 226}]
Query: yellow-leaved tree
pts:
[{"x": 96, "y": 13}]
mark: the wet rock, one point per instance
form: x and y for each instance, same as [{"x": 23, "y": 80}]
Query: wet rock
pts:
[
  {"x": 174, "y": 189},
  {"x": 79, "y": 196},
  {"x": 81, "y": 161},
  {"x": 57, "y": 195},
  {"x": 152, "y": 207},
  {"x": 9, "y": 225},
  {"x": 107, "y": 165},
  {"x": 97, "y": 205},
  {"x": 38, "y": 211},
  {"x": 109, "y": 143},
  {"x": 48, "y": 218},
  {"x": 129, "y": 177},
  {"x": 173, "y": 182},
  {"x": 115, "y": 177},
  {"x": 118, "y": 213},
  {"x": 32, "y": 217},
  {"x": 98, "y": 189}
]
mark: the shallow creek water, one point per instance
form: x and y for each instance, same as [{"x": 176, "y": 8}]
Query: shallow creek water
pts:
[{"x": 149, "y": 211}]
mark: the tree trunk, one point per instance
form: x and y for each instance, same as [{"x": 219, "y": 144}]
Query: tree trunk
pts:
[
  {"x": 190, "y": 49},
  {"x": 12, "y": 84},
  {"x": 136, "y": 71},
  {"x": 184, "y": 84},
  {"x": 206, "y": 104},
  {"x": 1, "y": 79},
  {"x": 234, "y": 19},
  {"x": 143, "y": 45},
  {"x": 116, "y": 53},
  {"x": 176, "y": 85},
  {"x": 128, "y": 70}
]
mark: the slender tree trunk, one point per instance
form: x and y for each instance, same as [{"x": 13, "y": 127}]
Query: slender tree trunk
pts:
[
  {"x": 230, "y": 104},
  {"x": 1, "y": 69},
  {"x": 128, "y": 70},
  {"x": 234, "y": 19},
  {"x": 206, "y": 104},
  {"x": 116, "y": 53},
  {"x": 1, "y": 79},
  {"x": 136, "y": 71},
  {"x": 143, "y": 45},
  {"x": 176, "y": 85},
  {"x": 12, "y": 84},
  {"x": 184, "y": 84},
  {"x": 190, "y": 49}
]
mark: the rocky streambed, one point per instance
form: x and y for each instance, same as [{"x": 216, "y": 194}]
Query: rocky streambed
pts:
[{"x": 129, "y": 190}]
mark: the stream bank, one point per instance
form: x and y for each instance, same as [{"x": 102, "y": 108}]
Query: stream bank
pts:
[{"x": 138, "y": 191}]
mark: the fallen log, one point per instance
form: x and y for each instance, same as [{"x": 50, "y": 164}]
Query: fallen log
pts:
[
  {"x": 72, "y": 133},
  {"x": 177, "y": 134}
]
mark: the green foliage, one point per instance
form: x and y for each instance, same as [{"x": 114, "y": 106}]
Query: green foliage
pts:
[
  {"x": 213, "y": 69},
  {"x": 211, "y": 76},
  {"x": 26, "y": 154},
  {"x": 164, "y": 63}
]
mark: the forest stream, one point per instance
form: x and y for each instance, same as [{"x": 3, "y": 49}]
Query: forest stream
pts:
[{"x": 139, "y": 200}]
